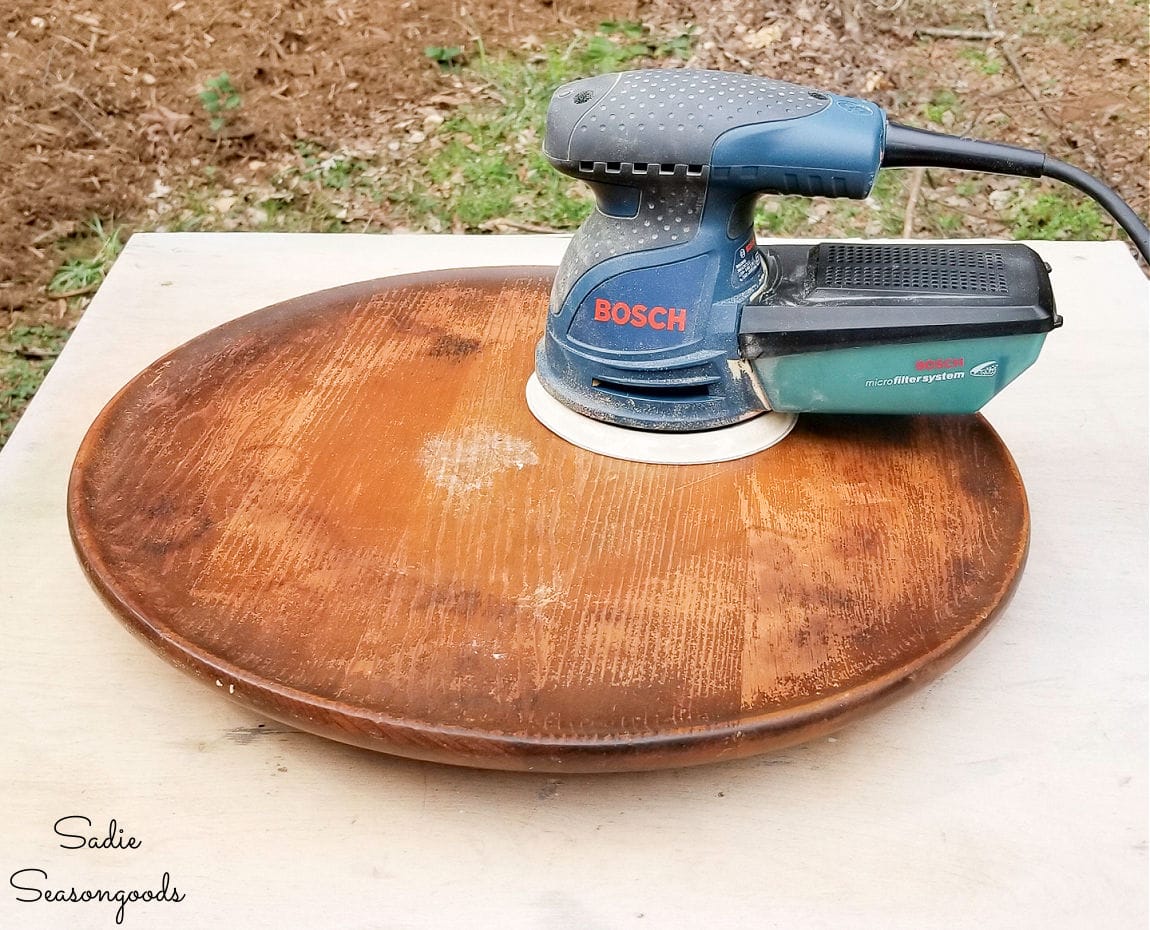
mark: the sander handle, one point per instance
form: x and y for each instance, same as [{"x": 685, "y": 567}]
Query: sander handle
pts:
[{"x": 639, "y": 131}]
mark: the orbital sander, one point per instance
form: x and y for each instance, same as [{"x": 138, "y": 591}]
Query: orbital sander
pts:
[{"x": 673, "y": 336}]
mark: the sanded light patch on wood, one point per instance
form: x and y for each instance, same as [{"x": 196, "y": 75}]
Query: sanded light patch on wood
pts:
[
  {"x": 340, "y": 508},
  {"x": 469, "y": 462}
]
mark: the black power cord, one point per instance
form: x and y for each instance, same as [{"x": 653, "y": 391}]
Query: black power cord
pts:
[
  {"x": 907, "y": 147},
  {"x": 1109, "y": 201}
]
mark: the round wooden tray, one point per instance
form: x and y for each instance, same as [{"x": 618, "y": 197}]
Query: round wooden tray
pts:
[{"x": 340, "y": 512}]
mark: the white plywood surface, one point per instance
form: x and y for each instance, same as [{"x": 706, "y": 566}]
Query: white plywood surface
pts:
[{"x": 1010, "y": 793}]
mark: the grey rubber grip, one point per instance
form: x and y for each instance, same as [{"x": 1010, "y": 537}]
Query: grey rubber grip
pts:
[
  {"x": 676, "y": 113},
  {"x": 669, "y": 213}
]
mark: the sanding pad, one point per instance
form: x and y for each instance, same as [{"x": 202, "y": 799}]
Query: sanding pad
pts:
[
  {"x": 699, "y": 447},
  {"x": 339, "y": 512}
]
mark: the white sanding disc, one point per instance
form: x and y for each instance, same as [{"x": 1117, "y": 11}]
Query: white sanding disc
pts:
[{"x": 620, "y": 442}]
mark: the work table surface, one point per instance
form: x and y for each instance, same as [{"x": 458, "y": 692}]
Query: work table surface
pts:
[{"x": 1011, "y": 792}]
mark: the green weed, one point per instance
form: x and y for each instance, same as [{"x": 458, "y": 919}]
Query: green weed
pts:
[
  {"x": 888, "y": 197},
  {"x": 782, "y": 216},
  {"x": 1053, "y": 215},
  {"x": 26, "y": 354},
  {"x": 219, "y": 98},
  {"x": 621, "y": 41},
  {"x": 986, "y": 62},
  {"x": 338, "y": 172},
  {"x": 40, "y": 341},
  {"x": 947, "y": 222},
  {"x": 943, "y": 102},
  {"x": 82, "y": 274},
  {"x": 446, "y": 56}
]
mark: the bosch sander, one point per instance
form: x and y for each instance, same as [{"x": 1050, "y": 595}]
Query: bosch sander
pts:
[{"x": 672, "y": 335}]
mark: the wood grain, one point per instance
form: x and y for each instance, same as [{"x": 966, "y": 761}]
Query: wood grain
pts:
[{"x": 339, "y": 511}]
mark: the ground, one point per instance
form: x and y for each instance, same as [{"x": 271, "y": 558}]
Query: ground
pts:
[{"x": 377, "y": 115}]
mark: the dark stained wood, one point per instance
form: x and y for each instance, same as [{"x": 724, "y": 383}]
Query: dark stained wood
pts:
[{"x": 340, "y": 510}]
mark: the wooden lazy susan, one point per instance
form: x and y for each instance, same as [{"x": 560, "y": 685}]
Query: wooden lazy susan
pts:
[{"x": 340, "y": 511}]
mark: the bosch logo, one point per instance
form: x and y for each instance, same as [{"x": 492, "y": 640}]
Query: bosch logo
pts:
[
  {"x": 640, "y": 316},
  {"x": 934, "y": 364}
]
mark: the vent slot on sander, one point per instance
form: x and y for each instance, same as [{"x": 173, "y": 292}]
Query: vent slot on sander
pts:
[
  {"x": 653, "y": 390},
  {"x": 920, "y": 268}
]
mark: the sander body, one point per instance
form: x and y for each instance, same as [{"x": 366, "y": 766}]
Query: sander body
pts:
[{"x": 667, "y": 315}]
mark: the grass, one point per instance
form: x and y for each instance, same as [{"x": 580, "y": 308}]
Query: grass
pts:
[
  {"x": 334, "y": 172},
  {"x": 942, "y": 103},
  {"x": 92, "y": 252},
  {"x": 1054, "y": 215},
  {"x": 28, "y": 351},
  {"x": 783, "y": 216},
  {"x": 987, "y": 61},
  {"x": 26, "y": 354}
]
